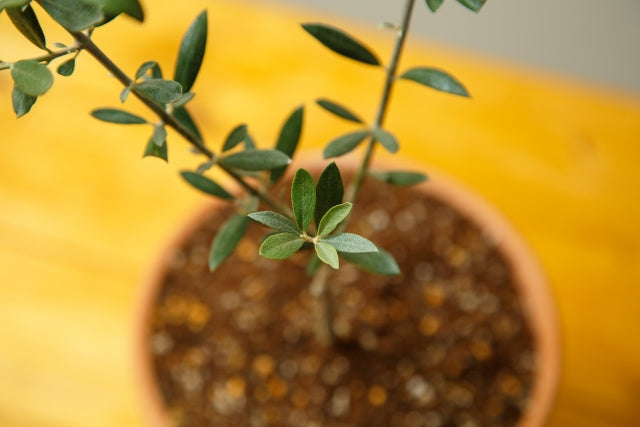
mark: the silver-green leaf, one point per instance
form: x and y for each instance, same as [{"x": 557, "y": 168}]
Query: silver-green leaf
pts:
[
  {"x": 255, "y": 160},
  {"x": 327, "y": 254},
  {"x": 435, "y": 79},
  {"x": 333, "y": 218},
  {"x": 434, "y": 4},
  {"x": 288, "y": 139},
  {"x": 338, "y": 110},
  {"x": 113, "y": 115},
  {"x": 303, "y": 198},
  {"x": 152, "y": 150},
  {"x": 381, "y": 262},
  {"x": 351, "y": 243},
  {"x": 74, "y": 15},
  {"x": 235, "y": 137},
  {"x": 341, "y": 43},
  {"x": 280, "y": 245},
  {"x": 206, "y": 185},
  {"x": 5, "y": 4},
  {"x": 227, "y": 239},
  {"x": 159, "y": 90},
  {"x": 191, "y": 52},
  {"x": 31, "y": 77},
  {"x": 276, "y": 221},
  {"x": 474, "y": 5},
  {"x": 67, "y": 67},
  {"x": 386, "y": 139},
  {"x": 22, "y": 102},
  {"x": 344, "y": 144},
  {"x": 400, "y": 178}
]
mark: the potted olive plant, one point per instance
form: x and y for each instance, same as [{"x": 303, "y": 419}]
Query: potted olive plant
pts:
[{"x": 336, "y": 293}]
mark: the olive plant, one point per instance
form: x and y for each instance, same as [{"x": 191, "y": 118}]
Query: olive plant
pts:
[{"x": 318, "y": 214}]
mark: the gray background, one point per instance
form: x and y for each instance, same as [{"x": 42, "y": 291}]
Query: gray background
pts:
[{"x": 597, "y": 41}]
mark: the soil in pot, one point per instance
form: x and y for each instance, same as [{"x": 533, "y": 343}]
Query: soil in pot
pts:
[{"x": 445, "y": 343}]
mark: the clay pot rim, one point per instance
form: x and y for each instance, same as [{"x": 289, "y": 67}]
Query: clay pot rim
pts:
[{"x": 530, "y": 280}]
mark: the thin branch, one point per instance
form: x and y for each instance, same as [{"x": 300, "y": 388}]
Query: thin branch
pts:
[{"x": 45, "y": 59}]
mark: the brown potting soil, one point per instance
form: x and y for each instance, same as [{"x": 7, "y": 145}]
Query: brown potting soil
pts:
[{"x": 443, "y": 344}]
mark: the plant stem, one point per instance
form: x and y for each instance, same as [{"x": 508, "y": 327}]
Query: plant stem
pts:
[{"x": 46, "y": 58}]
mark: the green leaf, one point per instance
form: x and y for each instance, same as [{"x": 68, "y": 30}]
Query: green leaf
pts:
[
  {"x": 26, "y": 21},
  {"x": 31, "y": 77},
  {"x": 333, "y": 217},
  {"x": 474, "y": 5},
  {"x": 327, "y": 254},
  {"x": 338, "y": 110},
  {"x": 113, "y": 115},
  {"x": 288, "y": 139},
  {"x": 400, "y": 178},
  {"x": 303, "y": 198},
  {"x": 249, "y": 144},
  {"x": 227, "y": 239},
  {"x": 280, "y": 245},
  {"x": 255, "y": 160},
  {"x": 182, "y": 115},
  {"x": 159, "y": 90},
  {"x": 313, "y": 265},
  {"x": 5, "y": 4},
  {"x": 276, "y": 221},
  {"x": 191, "y": 52},
  {"x": 387, "y": 140},
  {"x": 435, "y": 79},
  {"x": 22, "y": 102},
  {"x": 235, "y": 137},
  {"x": 205, "y": 166},
  {"x": 159, "y": 135},
  {"x": 146, "y": 66},
  {"x": 434, "y": 4},
  {"x": 74, "y": 15},
  {"x": 341, "y": 43},
  {"x": 184, "y": 99},
  {"x": 351, "y": 243},
  {"x": 380, "y": 262},
  {"x": 329, "y": 191},
  {"x": 125, "y": 93},
  {"x": 344, "y": 144},
  {"x": 152, "y": 150},
  {"x": 67, "y": 67},
  {"x": 205, "y": 185},
  {"x": 115, "y": 7}
]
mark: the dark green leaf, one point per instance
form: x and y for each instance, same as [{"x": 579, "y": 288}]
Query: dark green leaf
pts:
[
  {"x": 66, "y": 68},
  {"x": 74, "y": 15},
  {"x": 256, "y": 160},
  {"x": 26, "y": 21},
  {"x": 144, "y": 68},
  {"x": 249, "y": 144},
  {"x": 341, "y": 43},
  {"x": 435, "y": 79},
  {"x": 182, "y": 115},
  {"x": 329, "y": 191},
  {"x": 125, "y": 93},
  {"x": 235, "y": 137},
  {"x": 5, "y": 4},
  {"x": 276, "y": 221},
  {"x": 191, "y": 52},
  {"x": 303, "y": 198},
  {"x": 159, "y": 90},
  {"x": 288, "y": 139},
  {"x": 22, "y": 102},
  {"x": 115, "y": 7},
  {"x": 205, "y": 185},
  {"x": 351, "y": 243},
  {"x": 152, "y": 150},
  {"x": 280, "y": 245},
  {"x": 338, "y": 110},
  {"x": 31, "y": 77},
  {"x": 400, "y": 178},
  {"x": 474, "y": 5},
  {"x": 380, "y": 262},
  {"x": 227, "y": 239},
  {"x": 333, "y": 217},
  {"x": 344, "y": 144},
  {"x": 327, "y": 254},
  {"x": 387, "y": 140},
  {"x": 114, "y": 115},
  {"x": 434, "y": 4},
  {"x": 159, "y": 135}
]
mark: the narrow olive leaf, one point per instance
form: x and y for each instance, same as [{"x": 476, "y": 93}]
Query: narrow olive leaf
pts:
[
  {"x": 434, "y": 4},
  {"x": 288, "y": 139},
  {"x": 276, "y": 221},
  {"x": 338, "y": 110},
  {"x": 227, "y": 239},
  {"x": 380, "y": 262},
  {"x": 22, "y": 102},
  {"x": 333, "y": 217},
  {"x": 74, "y": 15},
  {"x": 67, "y": 67},
  {"x": 255, "y": 160},
  {"x": 249, "y": 144},
  {"x": 159, "y": 135},
  {"x": 191, "y": 52},
  {"x": 341, "y": 43},
  {"x": 387, "y": 140},
  {"x": 182, "y": 115},
  {"x": 435, "y": 79},
  {"x": 184, "y": 99},
  {"x": 206, "y": 185},
  {"x": 125, "y": 93},
  {"x": 344, "y": 144},
  {"x": 205, "y": 166},
  {"x": 280, "y": 245},
  {"x": 351, "y": 243},
  {"x": 116, "y": 7},
  {"x": 327, "y": 254},
  {"x": 329, "y": 191},
  {"x": 235, "y": 137},
  {"x": 474, "y": 5},
  {"x": 5, "y": 4},
  {"x": 31, "y": 77},
  {"x": 303, "y": 198},
  {"x": 26, "y": 21},
  {"x": 152, "y": 150},
  {"x": 146, "y": 66},
  {"x": 113, "y": 115},
  {"x": 159, "y": 90},
  {"x": 400, "y": 178}
]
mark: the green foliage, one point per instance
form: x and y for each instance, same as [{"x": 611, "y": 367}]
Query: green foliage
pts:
[
  {"x": 381, "y": 262},
  {"x": 159, "y": 90},
  {"x": 434, "y": 4},
  {"x": 280, "y": 245},
  {"x": 303, "y": 198},
  {"x": 345, "y": 143},
  {"x": 159, "y": 136},
  {"x": 206, "y": 185},
  {"x": 387, "y": 140},
  {"x": 333, "y": 217},
  {"x": 276, "y": 221},
  {"x": 67, "y": 67},
  {"x": 227, "y": 239},
  {"x": 74, "y": 15},
  {"x": 5, "y": 4},
  {"x": 288, "y": 139},
  {"x": 31, "y": 77},
  {"x": 191, "y": 52},
  {"x": 327, "y": 254},
  {"x": 350, "y": 243},
  {"x": 235, "y": 137},
  {"x": 435, "y": 79},
  {"x": 153, "y": 150},
  {"x": 400, "y": 178},
  {"x": 113, "y": 8},
  {"x": 329, "y": 191},
  {"x": 255, "y": 160},
  {"x": 474, "y": 5},
  {"x": 22, "y": 102},
  {"x": 341, "y": 43},
  {"x": 113, "y": 115},
  {"x": 338, "y": 110},
  {"x": 26, "y": 21}
]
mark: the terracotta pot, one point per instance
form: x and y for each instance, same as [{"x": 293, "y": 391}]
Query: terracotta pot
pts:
[{"x": 529, "y": 278}]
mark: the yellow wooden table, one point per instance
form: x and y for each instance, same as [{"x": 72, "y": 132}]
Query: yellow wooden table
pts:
[{"x": 81, "y": 215}]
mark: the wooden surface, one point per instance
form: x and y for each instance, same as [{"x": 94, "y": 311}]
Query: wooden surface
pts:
[{"x": 82, "y": 216}]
